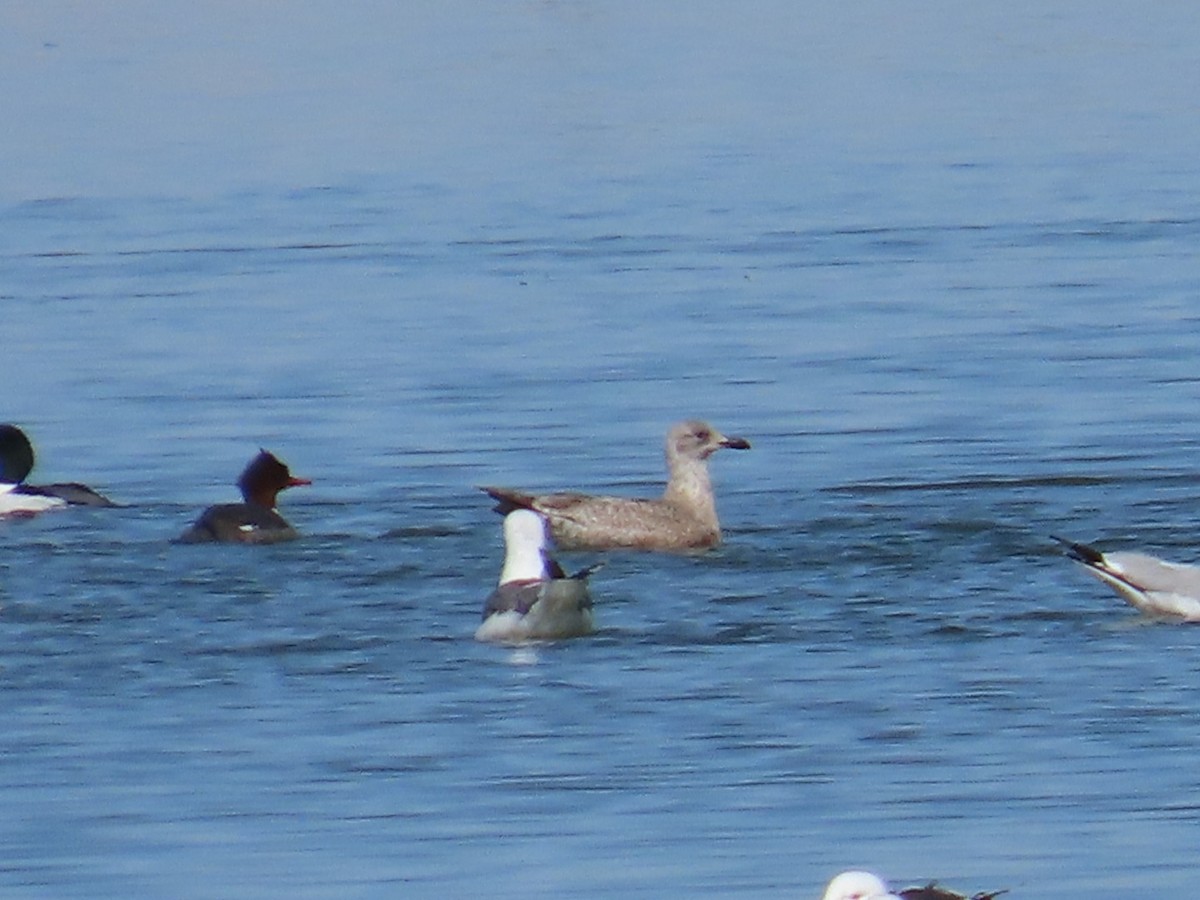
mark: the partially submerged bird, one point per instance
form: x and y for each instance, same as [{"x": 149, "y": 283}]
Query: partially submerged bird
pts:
[
  {"x": 1152, "y": 585},
  {"x": 856, "y": 885},
  {"x": 684, "y": 518},
  {"x": 859, "y": 885},
  {"x": 255, "y": 520},
  {"x": 535, "y": 599},
  {"x": 17, "y": 498}
]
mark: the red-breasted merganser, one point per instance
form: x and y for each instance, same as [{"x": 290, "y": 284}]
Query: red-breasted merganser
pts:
[
  {"x": 684, "y": 518},
  {"x": 255, "y": 521},
  {"x": 20, "y": 499}
]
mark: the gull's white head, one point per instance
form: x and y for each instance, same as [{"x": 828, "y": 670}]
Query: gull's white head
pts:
[
  {"x": 524, "y": 547},
  {"x": 858, "y": 886}
]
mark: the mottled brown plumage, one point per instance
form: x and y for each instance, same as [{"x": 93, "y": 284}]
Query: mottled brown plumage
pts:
[{"x": 684, "y": 518}]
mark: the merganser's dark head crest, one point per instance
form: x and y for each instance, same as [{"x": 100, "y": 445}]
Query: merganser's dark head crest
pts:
[
  {"x": 16, "y": 455},
  {"x": 263, "y": 479}
]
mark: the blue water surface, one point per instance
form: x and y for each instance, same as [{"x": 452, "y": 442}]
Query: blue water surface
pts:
[{"x": 936, "y": 261}]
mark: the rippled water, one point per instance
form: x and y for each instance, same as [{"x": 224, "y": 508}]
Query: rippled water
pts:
[{"x": 938, "y": 265}]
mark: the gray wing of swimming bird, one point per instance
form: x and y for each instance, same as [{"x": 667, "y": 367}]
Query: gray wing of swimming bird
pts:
[
  {"x": 564, "y": 610},
  {"x": 245, "y": 523},
  {"x": 1153, "y": 585},
  {"x": 72, "y": 493},
  {"x": 933, "y": 891},
  {"x": 518, "y": 596},
  {"x": 549, "y": 610},
  {"x": 586, "y": 572}
]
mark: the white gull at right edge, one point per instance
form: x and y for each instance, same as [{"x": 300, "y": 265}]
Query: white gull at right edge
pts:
[{"x": 1154, "y": 586}]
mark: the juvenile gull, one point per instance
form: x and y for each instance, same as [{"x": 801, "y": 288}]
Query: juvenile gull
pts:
[
  {"x": 685, "y": 518},
  {"x": 1153, "y": 585},
  {"x": 19, "y": 498},
  {"x": 254, "y": 521},
  {"x": 535, "y": 599},
  {"x": 860, "y": 885}
]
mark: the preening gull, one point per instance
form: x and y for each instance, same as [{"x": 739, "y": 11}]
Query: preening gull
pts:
[
  {"x": 858, "y": 885},
  {"x": 21, "y": 499},
  {"x": 684, "y": 518},
  {"x": 255, "y": 521},
  {"x": 1153, "y": 585},
  {"x": 535, "y": 599}
]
